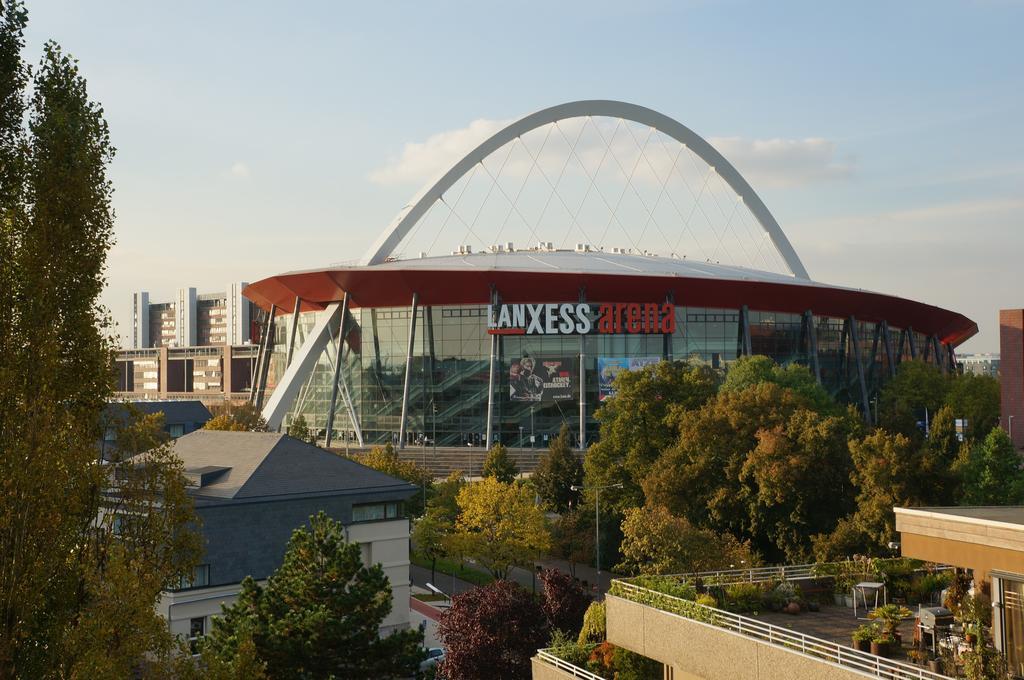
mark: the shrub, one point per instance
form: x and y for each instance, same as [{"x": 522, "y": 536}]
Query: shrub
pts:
[
  {"x": 866, "y": 632},
  {"x": 594, "y": 627},
  {"x": 743, "y": 597},
  {"x": 567, "y": 649},
  {"x": 707, "y": 600},
  {"x": 667, "y": 585}
]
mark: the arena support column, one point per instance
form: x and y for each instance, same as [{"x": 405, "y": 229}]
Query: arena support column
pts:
[
  {"x": 913, "y": 342},
  {"x": 489, "y": 435},
  {"x": 337, "y": 372},
  {"x": 812, "y": 344},
  {"x": 855, "y": 342},
  {"x": 303, "y": 363},
  {"x": 887, "y": 345},
  {"x": 264, "y": 361},
  {"x": 408, "y": 371},
  {"x": 293, "y": 332},
  {"x": 745, "y": 331}
]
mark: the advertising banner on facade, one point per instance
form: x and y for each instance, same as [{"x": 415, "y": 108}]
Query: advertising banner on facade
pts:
[
  {"x": 609, "y": 367},
  {"x": 541, "y": 380}
]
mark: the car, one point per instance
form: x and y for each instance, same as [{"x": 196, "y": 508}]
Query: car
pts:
[{"x": 435, "y": 655}]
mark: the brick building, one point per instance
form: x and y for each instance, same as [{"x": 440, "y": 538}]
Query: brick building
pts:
[{"x": 1011, "y": 368}]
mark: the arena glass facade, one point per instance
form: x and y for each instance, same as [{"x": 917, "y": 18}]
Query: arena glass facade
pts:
[{"x": 447, "y": 400}]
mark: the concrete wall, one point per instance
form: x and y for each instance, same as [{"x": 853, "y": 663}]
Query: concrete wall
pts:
[
  {"x": 697, "y": 651},
  {"x": 545, "y": 671},
  {"x": 947, "y": 539}
]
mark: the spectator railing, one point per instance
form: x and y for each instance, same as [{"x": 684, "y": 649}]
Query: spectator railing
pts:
[
  {"x": 563, "y": 665},
  {"x": 823, "y": 650}
]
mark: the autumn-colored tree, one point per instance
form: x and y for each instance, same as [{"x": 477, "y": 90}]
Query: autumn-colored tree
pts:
[
  {"x": 237, "y": 418},
  {"x": 500, "y": 465},
  {"x": 133, "y": 431},
  {"x": 889, "y": 470},
  {"x": 797, "y": 481},
  {"x": 492, "y": 632},
  {"x": 499, "y": 526},
  {"x": 699, "y": 477},
  {"x": 319, "y": 614},
  {"x": 635, "y": 427},
  {"x": 656, "y": 542},
  {"x": 76, "y": 599},
  {"x": 557, "y": 472},
  {"x": 385, "y": 459},
  {"x": 563, "y": 601}
]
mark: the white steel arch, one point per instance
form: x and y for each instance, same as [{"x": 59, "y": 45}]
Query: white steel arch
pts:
[{"x": 411, "y": 213}]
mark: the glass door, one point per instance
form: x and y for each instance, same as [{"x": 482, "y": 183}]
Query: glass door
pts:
[{"x": 1013, "y": 624}]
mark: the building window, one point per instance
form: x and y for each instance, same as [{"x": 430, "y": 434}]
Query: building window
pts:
[
  {"x": 375, "y": 512},
  {"x": 200, "y": 578},
  {"x": 176, "y": 430}
]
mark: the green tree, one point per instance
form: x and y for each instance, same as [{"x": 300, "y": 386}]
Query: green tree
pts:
[
  {"x": 499, "y": 526},
  {"x": 319, "y": 614},
  {"x": 991, "y": 472},
  {"x": 975, "y": 398},
  {"x": 430, "y": 536},
  {"x": 572, "y": 537},
  {"x": 76, "y": 600},
  {"x": 918, "y": 389},
  {"x": 500, "y": 465},
  {"x": 656, "y": 542},
  {"x": 300, "y": 430},
  {"x": 751, "y": 370},
  {"x": 557, "y": 471},
  {"x": 635, "y": 427}
]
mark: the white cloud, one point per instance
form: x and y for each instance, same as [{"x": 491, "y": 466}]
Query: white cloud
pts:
[
  {"x": 764, "y": 162},
  {"x": 240, "y": 170},
  {"x": 783, "y": 162},
  {"x": 422, "y": 161}
]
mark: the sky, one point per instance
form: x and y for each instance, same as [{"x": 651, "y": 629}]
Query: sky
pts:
[{"x": 261, "y": 137}]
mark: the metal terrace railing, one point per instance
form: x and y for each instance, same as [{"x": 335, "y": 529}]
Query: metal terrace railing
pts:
[
  {"x": 563, "y": 665},
  {"x": 788, "y": 572},
  {"x": 816, "y": 648}
]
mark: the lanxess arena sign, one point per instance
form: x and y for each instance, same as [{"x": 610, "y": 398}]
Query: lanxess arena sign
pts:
[{"x": 554, "y": 318}]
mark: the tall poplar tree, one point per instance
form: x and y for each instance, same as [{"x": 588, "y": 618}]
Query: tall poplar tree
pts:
[{"x": 75, "y": 600}]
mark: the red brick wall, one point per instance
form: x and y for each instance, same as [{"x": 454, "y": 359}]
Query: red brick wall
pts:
[{"x": 1011, "y": 370}]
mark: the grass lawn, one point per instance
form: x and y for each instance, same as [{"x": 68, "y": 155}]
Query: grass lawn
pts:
[
  {"x": 453, "y": 568},
  {"x": 430, "y": 597}
]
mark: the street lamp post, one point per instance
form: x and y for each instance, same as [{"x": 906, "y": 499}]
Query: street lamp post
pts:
[{"x": 597, "y": 523}]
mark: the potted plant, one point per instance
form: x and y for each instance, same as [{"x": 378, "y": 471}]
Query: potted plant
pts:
[
  {"x": 935, "y": 664},
  {"x": 863, "y": 635},
  {"x": 881, "y": 644},
  {"x": 890, "y": 615},
  {"x": 917, "y": 656}
]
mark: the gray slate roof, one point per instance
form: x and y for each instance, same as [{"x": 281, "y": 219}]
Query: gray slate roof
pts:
[
  {"x": 175, "y": 411},
  {"x": 267, "y": 465}
]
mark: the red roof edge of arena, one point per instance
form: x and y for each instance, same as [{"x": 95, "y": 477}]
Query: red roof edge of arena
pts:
[{"x": 394, "y": 287}]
